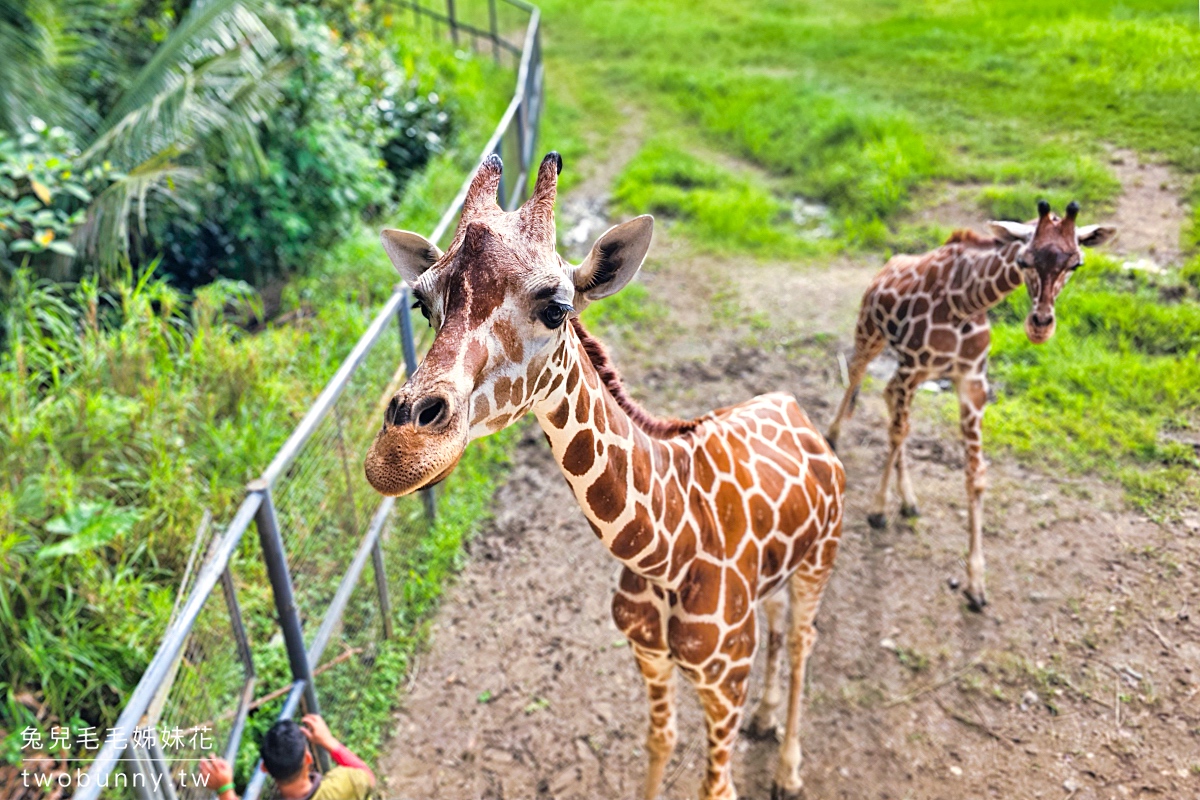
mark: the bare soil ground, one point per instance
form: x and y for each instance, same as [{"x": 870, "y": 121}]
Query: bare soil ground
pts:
[{"x": 1079, "y": 681}]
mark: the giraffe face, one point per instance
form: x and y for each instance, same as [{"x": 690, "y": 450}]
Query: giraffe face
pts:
[
  {"x": 1049, "y": 255},
  {"x": 499, "y": 300}
]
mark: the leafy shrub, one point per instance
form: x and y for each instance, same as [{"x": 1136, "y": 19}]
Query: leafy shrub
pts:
[
  {"x": 420, "y": 126},
  {"x": 42, "y": 198},
  {"x": 349, "y": 130}
]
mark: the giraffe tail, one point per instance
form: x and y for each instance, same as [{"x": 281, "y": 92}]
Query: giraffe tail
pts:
[{"x": 845, "y": 411}]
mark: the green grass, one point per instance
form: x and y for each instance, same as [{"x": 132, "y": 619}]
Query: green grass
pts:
[
  {"x": 725, "y": 210},
  {"x": 1114, "y": 393},
  {"x": 857, "y": 105},
  {"x": 867, "y": 106}
]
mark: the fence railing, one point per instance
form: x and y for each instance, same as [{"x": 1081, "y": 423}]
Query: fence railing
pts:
[
  {"x": 457, "y": 20},
  {"x": 319, "y": 525}
]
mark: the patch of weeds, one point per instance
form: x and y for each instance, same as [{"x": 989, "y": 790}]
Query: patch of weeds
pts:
[
  {"x": 911, "y": 658},
  {"x": 536, "y": 705}
]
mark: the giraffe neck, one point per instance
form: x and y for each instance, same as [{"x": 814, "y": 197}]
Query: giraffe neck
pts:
[
  {"x": 626, "y": 481},
  {"x": 983, "y": 276}
]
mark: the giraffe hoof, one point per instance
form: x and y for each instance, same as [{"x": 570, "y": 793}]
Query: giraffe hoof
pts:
[
  {"x": 909, "y": 512},
  {"x": 877, "y": 521},
  {"x": 975, "y": 602},
  {"x": 780, "y": 793},
  {"x": 761, "y": 731}
]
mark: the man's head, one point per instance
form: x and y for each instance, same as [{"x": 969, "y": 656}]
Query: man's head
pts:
[
  {"x": 285, "y": 751},
  {"x": 500, "y": 298},
  {"x": 1050, "y": 254}
]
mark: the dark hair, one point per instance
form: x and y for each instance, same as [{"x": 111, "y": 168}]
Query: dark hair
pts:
[{"x": 283, "y": 750}]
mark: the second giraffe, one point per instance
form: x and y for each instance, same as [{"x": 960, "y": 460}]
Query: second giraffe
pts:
[{"x": 931, "y": 309}]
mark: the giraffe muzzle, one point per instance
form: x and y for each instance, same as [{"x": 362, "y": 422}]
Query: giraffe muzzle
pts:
[
  {"x": 1039, "y": 328},
  {"x": 420, "y": 443}
]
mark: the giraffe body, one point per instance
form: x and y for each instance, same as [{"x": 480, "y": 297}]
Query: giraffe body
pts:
[
  {"x": 708, "y": 516},
  {"x": 931, "y": 310},
  {"x": 706, "y": 522}
]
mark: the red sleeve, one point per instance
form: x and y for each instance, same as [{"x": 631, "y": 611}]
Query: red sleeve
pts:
[{"x": 344, "y": 758}]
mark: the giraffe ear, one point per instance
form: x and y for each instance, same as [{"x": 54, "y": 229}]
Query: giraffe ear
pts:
[
  {"x": 1096, "y": 235},
  {"x": 1011, "y": 231},
  {"x": 411, "y": 253},
  {"x": 615, "y": 258}
]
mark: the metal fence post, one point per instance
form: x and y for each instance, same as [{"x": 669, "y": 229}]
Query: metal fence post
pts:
[
  {"x": 285, "y": 599},
  {"x": 453, "y": 21},
  {"x": 156, "y": 757},
  {"x": 408, "y": 343},
  {"x": 140, "y": 788},
  {"x": 381, "y": 587},
  {"x": 494, "y": 28}
]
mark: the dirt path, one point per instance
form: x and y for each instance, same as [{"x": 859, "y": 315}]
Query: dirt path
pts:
[{"x": 1080, "y": 681}]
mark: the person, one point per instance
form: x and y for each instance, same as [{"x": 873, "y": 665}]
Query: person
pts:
[{"x": 287, "y": 758}]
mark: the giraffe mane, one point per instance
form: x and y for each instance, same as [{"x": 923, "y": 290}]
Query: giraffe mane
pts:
[
  {"x": 971, "y": 238},
  {"x": 657, "y": 427}
]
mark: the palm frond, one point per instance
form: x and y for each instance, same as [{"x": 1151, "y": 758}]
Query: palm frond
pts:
[
  {"x": 107, "y": 231},
  {"x": 219, "y": 87},
  {"x": 209, "y": 28},
  {"x": 37, "y": 39}
]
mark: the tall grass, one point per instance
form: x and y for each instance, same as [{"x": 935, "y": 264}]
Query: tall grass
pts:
[{"x": 128, "y": 409}]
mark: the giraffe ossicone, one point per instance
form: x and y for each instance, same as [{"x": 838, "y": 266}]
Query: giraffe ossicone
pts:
[
  {"x": 708, "y": 516},
  {"x": 931, "y": 310}
]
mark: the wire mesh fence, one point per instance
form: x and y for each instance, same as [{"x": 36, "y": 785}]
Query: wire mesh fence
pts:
[{"x": 334, "y": 554}]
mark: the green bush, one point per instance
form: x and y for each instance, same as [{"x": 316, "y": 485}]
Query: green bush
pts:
[{"x": 42, "y": 198}]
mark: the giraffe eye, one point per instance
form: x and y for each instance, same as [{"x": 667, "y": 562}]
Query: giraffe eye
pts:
[
  {"x": 554, "y": 314},
  {"x": 420, "y": 306}
]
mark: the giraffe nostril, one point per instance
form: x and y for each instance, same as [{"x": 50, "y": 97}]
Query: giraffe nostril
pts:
[
  {"x": 430, "y": 410},
  {"x": 398, "y": 412}
]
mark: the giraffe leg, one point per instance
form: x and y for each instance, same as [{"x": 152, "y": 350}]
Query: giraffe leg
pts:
[
  {"x": 972, "y": 399},
  {"x": 868, "y": 344},
  {"x": 659, "y": 672},
  {"x": 723, "y": 704},
  {"x": 908, "y": 498},
  {"x": 899, "y": 396},
  {"x": 806, "y": 588},
  {"x": 764, "y": 722}
]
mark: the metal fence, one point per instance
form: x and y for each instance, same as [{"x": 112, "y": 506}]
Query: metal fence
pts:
[{"x": 319, "y": 527}]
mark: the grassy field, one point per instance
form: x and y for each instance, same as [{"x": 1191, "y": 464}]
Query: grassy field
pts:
[{"x": 862, "y": 109}]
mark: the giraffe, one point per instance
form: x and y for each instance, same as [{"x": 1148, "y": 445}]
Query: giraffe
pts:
[
  {"x": 931, "y": 309},
  {"x": 708, "y": 516}
]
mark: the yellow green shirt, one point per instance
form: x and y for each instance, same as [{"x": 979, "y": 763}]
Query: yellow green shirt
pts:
[{"x": 344, "y": 783}]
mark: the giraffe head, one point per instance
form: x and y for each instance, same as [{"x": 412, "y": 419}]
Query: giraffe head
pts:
[
  {"x": 1050, "y": 252},
  {"x": 499, "y": 299}
]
